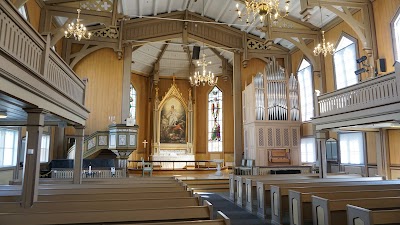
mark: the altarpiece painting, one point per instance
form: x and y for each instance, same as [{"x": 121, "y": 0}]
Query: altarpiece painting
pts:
[{"x": 173, "y": 122}]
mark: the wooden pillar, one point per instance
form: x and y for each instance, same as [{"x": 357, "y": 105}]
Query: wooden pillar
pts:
[
  {"x": 382, "y": 154},
  {"x": 237, "y": 109},
  {"x": 30, "y": 181},
  {"x": 59, "y": 152},
  {"x": 126, "y": 80},
  {"x": 79, "y": 138},
  {"x": 321, "y": 137}
]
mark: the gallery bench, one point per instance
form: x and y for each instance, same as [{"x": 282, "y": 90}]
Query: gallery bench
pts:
[
  {"x": 360, "y": 216},
  {"x": 280, "y": 200},
  {"x": 300, "y": 203},
  {"x": 110, "y": 216},
  {"x": 332, "y": 212}
]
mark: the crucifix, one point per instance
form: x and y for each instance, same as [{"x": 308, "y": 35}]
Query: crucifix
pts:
[{"x": 145, "y": 143}]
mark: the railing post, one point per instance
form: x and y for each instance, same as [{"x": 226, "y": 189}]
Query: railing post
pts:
[{"x": 45, "y": 55}]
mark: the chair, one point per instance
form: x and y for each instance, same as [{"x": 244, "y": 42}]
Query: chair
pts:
[{"x": 147, "y": 167}]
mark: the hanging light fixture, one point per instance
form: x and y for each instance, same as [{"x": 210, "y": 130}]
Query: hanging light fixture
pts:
[
  {"x": 325, "y": 48},
  {"x": 203, "y": 78},
  {"x": 263, "y": 8},
  {"x": 77, "y": 30}
]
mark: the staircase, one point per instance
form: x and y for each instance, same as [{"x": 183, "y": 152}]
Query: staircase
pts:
[{"x": 93, "y": 145}]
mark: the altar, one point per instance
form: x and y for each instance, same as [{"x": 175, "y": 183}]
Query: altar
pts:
[{"x": 173, "y": 129}]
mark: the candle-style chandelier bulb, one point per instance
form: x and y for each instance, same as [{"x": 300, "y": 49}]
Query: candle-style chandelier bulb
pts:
[{"x": 78, "y": 30}]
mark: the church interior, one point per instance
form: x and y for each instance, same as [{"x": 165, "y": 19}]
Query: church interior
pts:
[{"x": 176, "y": 111}]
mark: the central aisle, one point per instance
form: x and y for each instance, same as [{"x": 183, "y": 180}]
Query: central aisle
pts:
[{"x": 237, "y": 215}]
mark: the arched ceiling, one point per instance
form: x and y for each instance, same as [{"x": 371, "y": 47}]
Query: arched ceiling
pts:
[{"x": 174, "y": 59}]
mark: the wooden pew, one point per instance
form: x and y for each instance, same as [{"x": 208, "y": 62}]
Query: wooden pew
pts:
[
  {"x": 279, "y": 193},
  {"x": 166, "y": 193},
  {"x": 360, "y": 216},
  {"x": 249, "y": 195},
  {"x": 222, "y": 219},
  {"x": 110, "y": 216},
  {"x": 50, "y": 206},
  {"x": 264, "y": 187},
  {"x": 332, "y": 212},
  {"x": 300, "y": 203}
]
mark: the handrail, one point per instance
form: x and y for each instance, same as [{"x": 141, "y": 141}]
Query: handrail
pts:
[
  {"x": 367, "y": 94},
  {"x": 186, "y": 163}
]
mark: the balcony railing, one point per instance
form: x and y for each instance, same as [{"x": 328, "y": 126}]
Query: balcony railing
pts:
[
  {"x": 372, "y": 93},
  {"x": 27, "y": 60}
]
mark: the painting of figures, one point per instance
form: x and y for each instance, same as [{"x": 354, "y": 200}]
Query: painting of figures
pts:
[{"x": 173, "y": 122}]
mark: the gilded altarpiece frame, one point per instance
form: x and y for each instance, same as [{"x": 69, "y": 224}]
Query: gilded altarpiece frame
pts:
[{"x": 173, "y": 124}]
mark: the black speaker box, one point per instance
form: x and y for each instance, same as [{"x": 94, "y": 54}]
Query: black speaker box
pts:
[
  {"x": 196, "y": 52},
  {"x": 381, "y": 65}
]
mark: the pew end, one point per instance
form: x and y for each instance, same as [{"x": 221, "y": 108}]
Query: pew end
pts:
[
  {"x": 221, "y": 215},
  {"x": 210, "y": 208}
]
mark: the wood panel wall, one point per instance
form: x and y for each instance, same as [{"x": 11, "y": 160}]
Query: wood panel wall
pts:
[
  {"x": 384, "y": 11},
  {"x": 394, "y": 143},
  {"x": 371, "y": 147},
  {"x": 104, "y": 89},
  {"x": 254, "y": 66},
  {"x": 33, "y": 11}
]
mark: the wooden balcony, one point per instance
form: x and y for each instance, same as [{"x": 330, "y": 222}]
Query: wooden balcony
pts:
[
  {"x": 32, "y": 72},
  {"x": 373, "y": 101}
]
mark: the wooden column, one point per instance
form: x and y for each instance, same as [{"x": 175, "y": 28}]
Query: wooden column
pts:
[
  {"x": 59, "y": 152},
  {"x": 237, "y": 109},
  {"x": 79, "y": 138},
  {"x": 126, "y": 80},
  {"x": 382, "y": 154},
  {"x": 30, "y": 181},
  {"x": 321, "y": 137}
]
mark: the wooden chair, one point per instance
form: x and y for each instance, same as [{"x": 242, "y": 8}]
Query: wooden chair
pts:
[{"x": 147, "y": 167}]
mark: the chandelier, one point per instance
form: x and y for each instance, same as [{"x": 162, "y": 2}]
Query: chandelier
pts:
[
  {"x": 77, "y": 30},
  {"x": 325, "y": 48},
  {"x": 263, "y": 8},
  {"x": 204, "y": 78}
]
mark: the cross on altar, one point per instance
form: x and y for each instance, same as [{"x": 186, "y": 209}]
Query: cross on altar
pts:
[{"x": 145, "y": 143}]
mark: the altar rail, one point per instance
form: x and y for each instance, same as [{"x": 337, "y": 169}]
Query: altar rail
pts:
[
  {"x": 29, "y": 64},
  {"x": 266, "y": 170},
  {"x": 371, "y": 93},
  {"x": 176, "y": 165},
  {"x": 95, "y": 173}
]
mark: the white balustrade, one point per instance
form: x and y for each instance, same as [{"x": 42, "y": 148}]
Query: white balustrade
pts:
[
  {"x": 68, "y": 174},
  {"x": 371, "y": 93}
]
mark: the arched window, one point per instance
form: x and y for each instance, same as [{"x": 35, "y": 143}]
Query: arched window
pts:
[
  {"x": 396, "y": 35},
  {"x": 345, "y": 63},
  {"x": 132, "y": 103},
  {"x": 215, "y": 120},
  {"x": 304, "y": 75}
]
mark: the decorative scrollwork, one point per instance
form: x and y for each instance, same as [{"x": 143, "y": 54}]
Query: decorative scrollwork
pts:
[
  {"x": 97, "y": 5},
  {"x": 256, "y": 45},
  {"x": 108, "y": 32}
]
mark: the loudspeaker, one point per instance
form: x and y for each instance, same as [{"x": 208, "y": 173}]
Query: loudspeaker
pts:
[
  {"x": 196, "y": 52},
  {"x": 381, "y": 65}
]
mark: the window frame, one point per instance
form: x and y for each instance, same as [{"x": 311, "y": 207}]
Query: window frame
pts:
[
  {"x": 396, "y": 46},
  {"x": 364, "y": 156},
  {"x": 222, "y": 120},
  {"x": 315, "y": 150},
  {"x": 26, "y": 12},
  {"x": 136, "y": 101},
  {"x": 312, "y": 84},
  {"x": 45, "y": 134},
  {"x": 15, "y": 154},
  {"x": 353, "y": 39}
]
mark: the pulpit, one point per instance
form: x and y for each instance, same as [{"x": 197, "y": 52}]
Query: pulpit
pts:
[{"x": 123, "y": 141}]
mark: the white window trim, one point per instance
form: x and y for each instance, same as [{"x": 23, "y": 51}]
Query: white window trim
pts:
[
  {"x": 354, "y": 40},
  {"x": 15, "y": 150},
  {"x": 300, "y": 86},
  {"x": 395, "y": 38},
  {"x": 311, "y": 140},
  {"x": 45, "y": 149},
  {"x": 362, "y": 151}
]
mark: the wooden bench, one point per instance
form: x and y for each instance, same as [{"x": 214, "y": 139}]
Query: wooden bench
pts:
[
  {"x": 264, "y": 187},
  {"x": 360, "y": 216},
  {"x": 110, "y": 216},
  {"x": 300, "y": 203},
  {"x": 332, "y": 212},
  {"x": 280, "y": 200},
  {"x": 165, "y": 193},
  {"x": 82, "y": 205},
  {"x": 221, "y": 219}
]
